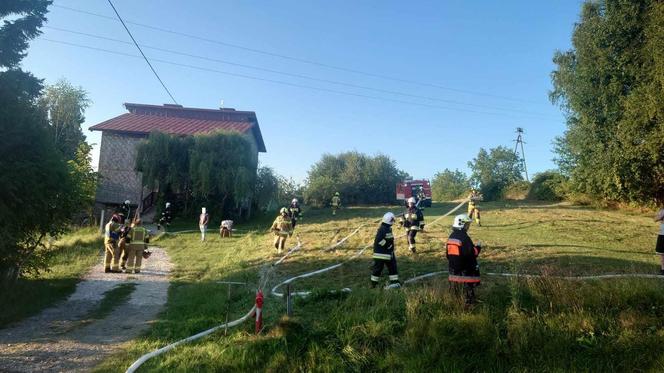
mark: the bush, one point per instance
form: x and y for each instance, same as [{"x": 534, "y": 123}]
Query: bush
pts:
[
  {"x": 516, "y": 191},
  {"x": 549, "y": 186}
]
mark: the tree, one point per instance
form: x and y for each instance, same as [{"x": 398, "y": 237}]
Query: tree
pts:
[
  {"x": 267, "y": 189},
  {"x": 610, "y": 87},
  {"x": 358, "y": 177},
  {"x": 495, "y": 170},
  {"x": 65, "y": 107},
  {"x": 218, "y": 169},
  {"x": 34, "y": 178},
  {"x": 448, "y": 185}
]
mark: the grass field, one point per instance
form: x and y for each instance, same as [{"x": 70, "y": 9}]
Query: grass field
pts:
[
  {"x": 542, "y": 324},
  {"x": 69, "y": 258}
]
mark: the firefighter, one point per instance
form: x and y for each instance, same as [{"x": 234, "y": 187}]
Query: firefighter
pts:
[
  {"x": 413, "y": 221},
  {"x": 462, "y": 259},
  {"x": 125, "y": 208},
  {"x": 336, "y": 203},
  {"x": 659, "y": 246},
  {"x": 420, "y": 195},
  {"x": 111, "y": 235},
  {"x": 137, "y": 241},
  {"x": 473, "y": 206},
  {"x": 166, "y": 217},
  {"x": 282, "y": 229},
  {"x": 122, "y": 242},
  {"x": 295, "y": 212},
  {"x": 383, "y": 253}
]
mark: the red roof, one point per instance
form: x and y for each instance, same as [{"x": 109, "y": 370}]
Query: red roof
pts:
[{"x": 177, "y": 120}]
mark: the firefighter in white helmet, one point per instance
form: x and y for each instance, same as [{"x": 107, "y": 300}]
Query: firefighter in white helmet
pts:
[
  {"x": 462, "y": 258},
  {"x": 282, "y": 229},
  {"x": 383, "y": 252},
  {"x": 295, "y": 212},
  {"x": 413, "y": 221}
]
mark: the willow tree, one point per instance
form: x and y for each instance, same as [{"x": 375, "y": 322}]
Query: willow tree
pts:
[
  {"x": 610, "y": 86},
  {"x": 218, "y": 169}
]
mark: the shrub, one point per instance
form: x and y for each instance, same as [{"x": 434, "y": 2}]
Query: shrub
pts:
[{"x": 549, "y": 186}]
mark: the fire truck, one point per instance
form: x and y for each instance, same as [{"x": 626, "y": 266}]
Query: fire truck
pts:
[{"x": 410, "y": 188}]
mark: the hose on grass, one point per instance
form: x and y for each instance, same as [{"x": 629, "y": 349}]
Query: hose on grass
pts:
[{"x": 275, "y": 290}]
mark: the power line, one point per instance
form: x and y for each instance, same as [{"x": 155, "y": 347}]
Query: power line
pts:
[
  {"x": 346, "y": 84},
  {"x": 142, "y": 54},
  {"x": 297, "y": 59},
  {"x": 194, "y": 67}
]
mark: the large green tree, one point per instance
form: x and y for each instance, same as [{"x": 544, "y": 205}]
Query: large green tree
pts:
[
  {"x": 495, "y": 170},
  {"x": 358, "y": 177},
  {"x": 610, "y": 87},
  {"x": 35, "y": 181},
  {"x": 65, "y": 107},
  {"x": 448, "y": 185}
]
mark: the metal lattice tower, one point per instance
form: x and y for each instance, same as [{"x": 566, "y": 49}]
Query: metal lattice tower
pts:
[{"x": 519, "y": 142}]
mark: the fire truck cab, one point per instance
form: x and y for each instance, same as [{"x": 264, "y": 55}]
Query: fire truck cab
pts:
[{"x": 415, "y": 188}]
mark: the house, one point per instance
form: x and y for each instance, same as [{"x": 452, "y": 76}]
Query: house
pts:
[{"x": 121, "y": 135}]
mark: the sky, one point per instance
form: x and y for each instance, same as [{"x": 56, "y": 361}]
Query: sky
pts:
[{"x": 428, "y": 83}]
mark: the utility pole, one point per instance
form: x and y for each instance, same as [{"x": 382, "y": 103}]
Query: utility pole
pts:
[{"x": 519, "y": 141}]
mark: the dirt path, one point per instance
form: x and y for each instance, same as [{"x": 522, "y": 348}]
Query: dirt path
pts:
[{"x": 61, "y": 340}]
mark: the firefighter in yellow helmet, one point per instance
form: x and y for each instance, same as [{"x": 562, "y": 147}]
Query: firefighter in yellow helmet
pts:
[
  {"x": 137, "y": 241},
  {"x": 336, "y": 203},
  {"x": 282, "y": 229},
  {"x": 111, "y": 236},
  {"x": 473, "y": 206}
]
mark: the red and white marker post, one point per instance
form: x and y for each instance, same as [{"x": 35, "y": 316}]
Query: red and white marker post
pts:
[{"x": 259, "y": 311}]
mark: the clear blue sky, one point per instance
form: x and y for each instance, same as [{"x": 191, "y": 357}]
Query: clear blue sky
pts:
[{"x": 497, "y": 48}]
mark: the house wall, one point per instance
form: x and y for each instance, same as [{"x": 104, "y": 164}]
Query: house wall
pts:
[{"x": 117, "y": 159}]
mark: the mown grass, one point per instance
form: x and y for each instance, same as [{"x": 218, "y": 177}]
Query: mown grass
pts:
[
  {"x": 68, "y": 259},
  {"x": 543, "y": 324}
]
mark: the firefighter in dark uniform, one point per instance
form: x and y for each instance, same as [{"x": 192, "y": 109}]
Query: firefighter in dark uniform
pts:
[
  {"x": 295, "y": 212},
  {"x": 383, "y": 253},
  {"x": 166, "y": 217},
  {"x": 421, "y": 196},
  {"x": 413, "y": 221},
  {"x": 462, "y": 258}
]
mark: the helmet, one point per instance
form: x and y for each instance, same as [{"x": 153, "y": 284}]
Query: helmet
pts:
[
  {"x": 127, "y": 202},
  {"x": 294, "y": 200},
  {"x": 388, "y": 218},
  {"x": 460, "y": 221},
  {"x": 411, "y": 200},
  {"x": 336, "y": 193},
  {"x": 168, "y": 204},
  {"x": 283, "y": 211}
]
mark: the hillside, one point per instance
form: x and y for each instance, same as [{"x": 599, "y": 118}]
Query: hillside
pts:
[{"x": 541, "y": 323}]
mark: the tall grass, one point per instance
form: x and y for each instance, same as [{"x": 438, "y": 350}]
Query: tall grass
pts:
[
  {"x": 68, "y": 259},
  {"x": 543, "y": 324}
]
